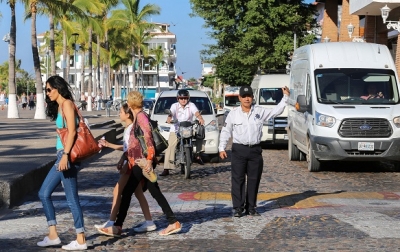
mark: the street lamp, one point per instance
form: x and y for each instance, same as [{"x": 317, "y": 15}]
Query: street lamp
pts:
[
  {"x": 76, "y": 35},
  {"x": 389, "y": 24},
  {"x": 350, "y": 29}
]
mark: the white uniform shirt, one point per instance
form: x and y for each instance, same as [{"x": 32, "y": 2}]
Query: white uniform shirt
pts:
[
  {"x": 246, "y": 128},
  {"x": 127, "y": 133},
  {"x": 182, "y": 114}
]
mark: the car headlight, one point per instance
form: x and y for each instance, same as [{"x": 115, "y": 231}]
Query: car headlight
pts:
[
  {"x": 212, "y": 126},
  {"x": 324, "y": 120},
  {"x": 396, "y": 121}
]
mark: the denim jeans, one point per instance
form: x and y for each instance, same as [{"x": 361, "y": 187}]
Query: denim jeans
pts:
[{"x": 68, "y": 179}]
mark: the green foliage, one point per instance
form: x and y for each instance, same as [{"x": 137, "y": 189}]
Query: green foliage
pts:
[{"x": 253, "y": 34}]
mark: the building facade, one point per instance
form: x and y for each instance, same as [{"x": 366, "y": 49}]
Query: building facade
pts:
[{"x": 361, "y": 21}]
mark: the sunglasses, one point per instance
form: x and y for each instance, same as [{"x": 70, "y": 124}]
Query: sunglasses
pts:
[
  {"x": 183, "y": 98},
  {"x": 48, "y": 90}
]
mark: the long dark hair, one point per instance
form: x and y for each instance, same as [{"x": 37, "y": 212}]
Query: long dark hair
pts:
[{"x": 63, "y": 88}]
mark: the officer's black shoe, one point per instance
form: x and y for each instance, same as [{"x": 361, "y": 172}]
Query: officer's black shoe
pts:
[
  {"x": 238, "y": 212},
  {"x": 182, "y": 170},
  {"x": 252, "y": 213}
]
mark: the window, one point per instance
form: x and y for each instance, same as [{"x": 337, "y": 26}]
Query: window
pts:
[
  {"x": 344, "y": 86},
  {"x": 270, "y": 96},
  {"x": 202, "y": 103}
]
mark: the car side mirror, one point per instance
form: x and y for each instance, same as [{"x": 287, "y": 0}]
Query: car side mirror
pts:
[{"x": 301, "y": 104}]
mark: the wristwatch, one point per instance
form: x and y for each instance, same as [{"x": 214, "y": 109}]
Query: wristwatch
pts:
[{"x": 65, "y": 153}]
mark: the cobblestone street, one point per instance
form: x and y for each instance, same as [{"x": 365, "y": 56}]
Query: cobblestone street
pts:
[{"x": 341, "y": 209}]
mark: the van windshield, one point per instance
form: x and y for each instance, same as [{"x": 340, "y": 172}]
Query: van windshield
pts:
[
  {"x": 270, "y": 96},
  {"x": 356, "y": 86}
]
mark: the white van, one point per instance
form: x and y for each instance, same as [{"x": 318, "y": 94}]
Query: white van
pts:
[
  {"x": 268, "y": 93},
  {"x": 333, "y": 114}
]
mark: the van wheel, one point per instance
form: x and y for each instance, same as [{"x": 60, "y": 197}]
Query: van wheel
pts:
[
  {"x": 294, "y": 152},
  {"x": 313, "y": 164}
]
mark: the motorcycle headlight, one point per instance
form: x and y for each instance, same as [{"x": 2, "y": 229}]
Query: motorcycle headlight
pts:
[
  {"x": 324, "y": 120},
  {"x": 212, "y": 126},
  {"x": 186, "y": 132},
  {"x": 396, "y": 121}
]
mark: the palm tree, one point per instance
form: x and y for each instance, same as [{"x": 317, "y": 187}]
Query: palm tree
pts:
[
  {"x": 131, "y": 18},
  {"x": 158, "y": 60},
  {"x": 12, "y": 96}
]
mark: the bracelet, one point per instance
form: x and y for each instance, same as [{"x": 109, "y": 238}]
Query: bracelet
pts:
[{"x": 65, "y": 153}]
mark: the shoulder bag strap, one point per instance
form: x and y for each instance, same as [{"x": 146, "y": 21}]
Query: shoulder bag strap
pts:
[{"x": 77, "y": 111}]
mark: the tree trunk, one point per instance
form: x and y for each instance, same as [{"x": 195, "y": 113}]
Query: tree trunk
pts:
[
  {"x": 39, "y": 113},
  {"x": 12, "y": 110},
  {"x": 90, "y": 82},
  {"x": 82, "y": 81},
  {"x": 134, "y": 78},
  {"x": 52, "y": 46}
]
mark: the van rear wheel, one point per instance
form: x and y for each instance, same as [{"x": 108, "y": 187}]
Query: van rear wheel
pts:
[
  {"x": 294, "y": 152},
  {"x": 313, "y": 164}
]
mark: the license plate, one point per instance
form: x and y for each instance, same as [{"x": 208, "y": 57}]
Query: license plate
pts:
[
  {"x": 285, "y": 137},
  {"x": 365, "y": 146}
]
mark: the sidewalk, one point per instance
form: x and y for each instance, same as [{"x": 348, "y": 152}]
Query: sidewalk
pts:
[{"x": 27, "y": 150}]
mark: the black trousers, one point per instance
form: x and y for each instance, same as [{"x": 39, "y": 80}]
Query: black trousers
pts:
[
  {"x": 154, "y": 189},
  {"x": 245, "y": 161}
]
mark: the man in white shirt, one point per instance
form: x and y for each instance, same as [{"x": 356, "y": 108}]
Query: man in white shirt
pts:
[
  {"x": 181, "y": 111},
  {"x": 244, "y": 124}
]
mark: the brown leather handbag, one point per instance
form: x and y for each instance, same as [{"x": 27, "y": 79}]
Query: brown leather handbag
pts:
[{"x": 84, "y": 145}]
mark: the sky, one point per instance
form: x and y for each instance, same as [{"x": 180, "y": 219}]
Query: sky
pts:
[{"x": 190, "y": 33}]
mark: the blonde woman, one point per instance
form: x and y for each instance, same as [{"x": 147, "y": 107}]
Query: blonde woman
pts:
[
  {"x": 134, "y": 152},
  {"x": 126, "y": 117}
]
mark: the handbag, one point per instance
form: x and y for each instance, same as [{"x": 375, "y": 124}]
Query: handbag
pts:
[
  {"x": 84, "y": 145},
  {"x": 159, "y": 142}
]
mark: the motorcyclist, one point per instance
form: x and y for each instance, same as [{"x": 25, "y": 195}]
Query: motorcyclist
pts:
[{"x": 181, "y": 111}]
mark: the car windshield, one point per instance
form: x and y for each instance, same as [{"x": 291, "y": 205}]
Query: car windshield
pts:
[
  {"x": 147, "y": 104},
  {"x": 232, "y": 101},
  {"x": 270, "y": 96},
  {"x": 356, "y": 86},
  {"x": 202, "y": 103}
]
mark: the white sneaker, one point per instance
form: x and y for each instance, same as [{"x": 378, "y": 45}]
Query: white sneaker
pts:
[
  {"x": 145, "y": 227},
  {"x": 47, "y": 242},
  {"x": 104, "y": 225},
  {"x": 74, "y": 245}
]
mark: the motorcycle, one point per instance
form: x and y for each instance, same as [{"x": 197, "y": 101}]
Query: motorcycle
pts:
[{"x": 184, "y": 149}]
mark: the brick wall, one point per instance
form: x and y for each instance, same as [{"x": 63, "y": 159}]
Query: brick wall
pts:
[
  {"x": 347, "y": 19},
  {"x": 329, "y": 26},
  {"x": 398, "y": 54}
]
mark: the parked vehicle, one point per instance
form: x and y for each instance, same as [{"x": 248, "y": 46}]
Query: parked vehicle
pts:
[
  {"x": 203, "y": 103},
  {"x": 230, "y": 99},
  {"x": 268, "y": 93},
  {"x": 148, "y": 105},
  {"x": 329, "y": 120}
]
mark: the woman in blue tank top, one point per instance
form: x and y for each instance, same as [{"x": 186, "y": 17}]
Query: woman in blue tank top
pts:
[{"x": 59, "y": 99}]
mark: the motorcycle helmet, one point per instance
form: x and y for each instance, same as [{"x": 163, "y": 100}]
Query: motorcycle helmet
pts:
[{"x": 183, "y": 94}]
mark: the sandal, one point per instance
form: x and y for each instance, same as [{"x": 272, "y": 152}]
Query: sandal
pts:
[
  {"x": 177, "y": 227},
  {"x": 114, "y": 231}
]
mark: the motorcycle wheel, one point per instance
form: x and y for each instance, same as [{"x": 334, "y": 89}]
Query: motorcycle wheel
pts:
[{"x": 188, "y": 163}]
